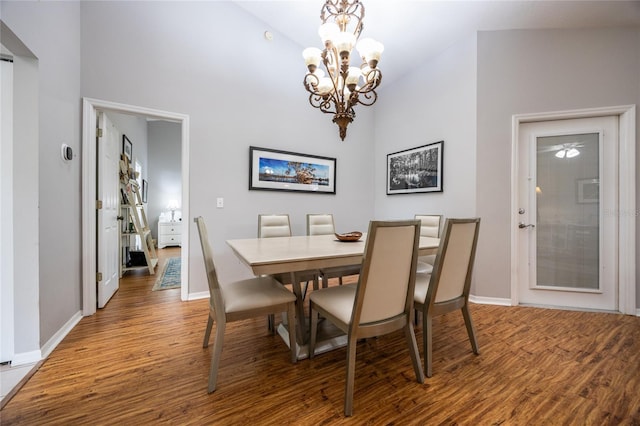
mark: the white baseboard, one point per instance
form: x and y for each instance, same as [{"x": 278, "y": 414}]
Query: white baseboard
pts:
[
  {"x": 200, "y": 295},
  {"x": 55, "y": 340},
  {"x": 24, "y": 358},
  {"x": 489, "y": 300},
  {"x": 638, "y": 312}
]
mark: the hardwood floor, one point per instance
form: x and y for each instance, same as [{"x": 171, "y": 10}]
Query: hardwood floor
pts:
[{"x": 140, "y": 361}]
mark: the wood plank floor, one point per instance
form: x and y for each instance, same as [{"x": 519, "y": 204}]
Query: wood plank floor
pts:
[{"x": 140, "y": 361}]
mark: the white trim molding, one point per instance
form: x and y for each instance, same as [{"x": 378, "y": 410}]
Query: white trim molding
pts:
[
  {"x": 199, "y": 295},
  {"x": 24, "y": 358},
  {"x": 626, "y": 203},
  {"x": 55, "y": 340},
  {"x": 89, "y": 244},
  {"x": 480, "y": 300}
]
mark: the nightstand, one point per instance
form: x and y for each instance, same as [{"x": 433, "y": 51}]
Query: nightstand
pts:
[{"x": 169, "y": 234}]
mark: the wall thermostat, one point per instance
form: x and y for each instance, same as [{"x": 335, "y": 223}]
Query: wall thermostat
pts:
[{"x": 67, "y": 152}]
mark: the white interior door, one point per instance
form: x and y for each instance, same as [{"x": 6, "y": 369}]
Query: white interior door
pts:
[
  {"x": 108, "y": 225},
  {"x": 567, "y": 198},
  {"x": 6, "y": 212}
]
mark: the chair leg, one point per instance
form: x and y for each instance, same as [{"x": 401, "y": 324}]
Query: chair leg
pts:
[
  {"x": 271, "y": 323},
  {"x": 207, "y": 332},
  {"x": 314, "y": 330},
  {"x": 316, "y": 283},
  {"x": 470, "y": 329},
  {"x": 427, "y": 335},
  {"x": 215, "y": 357},
  {"x": 413, "y": 351},
  {"x": 325, "y": 281},
  {"x": 349, "y": 383},
  {"x": 291, "y": 320}
]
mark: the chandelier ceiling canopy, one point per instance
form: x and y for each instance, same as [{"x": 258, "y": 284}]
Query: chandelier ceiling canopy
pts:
[{"x": 337, "y": 86}]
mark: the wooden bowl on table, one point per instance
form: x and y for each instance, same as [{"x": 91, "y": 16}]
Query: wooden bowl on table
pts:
[{"x": 349, "y": 236}]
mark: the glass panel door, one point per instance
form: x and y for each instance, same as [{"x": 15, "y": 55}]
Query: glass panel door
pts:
[
  {"x": 566, "y": 242},
  {"x": 567, "y": 210}
]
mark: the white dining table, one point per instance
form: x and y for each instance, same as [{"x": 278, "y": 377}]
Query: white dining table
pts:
[{"x": 281, "y": 255}]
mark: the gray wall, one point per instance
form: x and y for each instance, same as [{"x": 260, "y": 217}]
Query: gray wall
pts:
[
  {"x": 437, "y": 102},
  {"x": 537, "y": 71},
  {"x": 242, "y": 90},
  {"x": 165, "y": 171},
  {"x": 51, "y": 30},
  {"x": 238, "y": 91}
]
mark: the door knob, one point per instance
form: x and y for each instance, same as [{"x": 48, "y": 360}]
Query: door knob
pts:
[{"x": 522, "y": 225}]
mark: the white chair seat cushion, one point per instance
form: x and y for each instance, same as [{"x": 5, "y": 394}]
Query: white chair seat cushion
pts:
[
  {"x": 254, "y": 293},
  {"x": 422, "y": 285},
  {"x": 424, "y": 268},
  {"x": 338, "y": 301}
]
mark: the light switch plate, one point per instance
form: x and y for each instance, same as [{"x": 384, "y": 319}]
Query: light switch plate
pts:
[{"x": 219, "y": 203}]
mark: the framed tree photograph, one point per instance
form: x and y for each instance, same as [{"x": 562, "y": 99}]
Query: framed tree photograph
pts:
[
  {"x": 415, "y": 170},
  {"x": 127, "y": 147},
  {"x": 274, "y": 170}
]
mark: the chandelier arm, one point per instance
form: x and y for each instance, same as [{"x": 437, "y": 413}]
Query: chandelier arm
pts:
[
  {"x": 367, "y": 98},
  {"x": 319, "y": 101},
  {"x": 330, "y": 57}
]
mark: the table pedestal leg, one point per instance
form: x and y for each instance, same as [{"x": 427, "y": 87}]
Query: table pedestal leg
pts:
[{"x": 300, "y": 316}]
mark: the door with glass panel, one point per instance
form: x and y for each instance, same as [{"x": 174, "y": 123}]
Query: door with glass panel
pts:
[{"x": 567, "y": 227}]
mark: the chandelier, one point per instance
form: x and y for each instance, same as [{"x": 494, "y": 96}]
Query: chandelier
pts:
[{"x": 340, "y": 86}]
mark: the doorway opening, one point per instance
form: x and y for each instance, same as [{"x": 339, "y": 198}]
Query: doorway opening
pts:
[{"x": 91, "y": 108}]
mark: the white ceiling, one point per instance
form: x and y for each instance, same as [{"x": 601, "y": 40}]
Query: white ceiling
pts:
[{"x": 414, "y": 30}]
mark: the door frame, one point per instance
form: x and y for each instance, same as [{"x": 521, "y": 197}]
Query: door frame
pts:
[
  {"x": 89, "y": 157},
  {"x": 627, "y": 197}
]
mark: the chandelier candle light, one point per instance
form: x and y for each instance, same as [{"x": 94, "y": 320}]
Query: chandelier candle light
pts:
[{"x": 339, "y": 87}]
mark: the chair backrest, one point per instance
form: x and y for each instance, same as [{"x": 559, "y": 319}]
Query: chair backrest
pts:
[
  {"x": 215, "y": 294},
  {"x": 320, "y": 224},
  {"x": 387, "y": 279},
  {"x": 273, "y": 225},
  {"x": 451, "y": 276},
  {"x": 429, "y": 224}
]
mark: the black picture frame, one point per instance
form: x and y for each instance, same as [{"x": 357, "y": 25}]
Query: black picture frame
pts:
[
  {"x": 144, "y": 190},
  {"x": 415, "y": 170},
  {"x": 127, "y": 147},
  {"x": 276, "y": 170}
]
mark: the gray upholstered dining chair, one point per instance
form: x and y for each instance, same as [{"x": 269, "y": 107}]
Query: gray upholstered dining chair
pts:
[
  {"x": 240, "y": 300},
  {"x": 323, "y": 224},
  {"x": 279, "y": 225},
  {"x": 429, "y": 227},
  {"x": 446, "y": 289},
  {"x": 273, "y": 225},
  {"x": 382, "y": 300}
]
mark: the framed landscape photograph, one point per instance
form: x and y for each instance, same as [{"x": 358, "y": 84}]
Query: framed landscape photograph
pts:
[
  {"x": 127, "y": 147},
  {"x": 415, "y": 170},
  {"x": 274, "y": 170}
]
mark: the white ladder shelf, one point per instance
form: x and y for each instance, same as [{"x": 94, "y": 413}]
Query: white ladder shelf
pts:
[{"x": 140, "y": 226}]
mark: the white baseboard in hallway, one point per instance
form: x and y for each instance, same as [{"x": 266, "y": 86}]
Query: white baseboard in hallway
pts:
[{"x": 11, "y": 377}]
